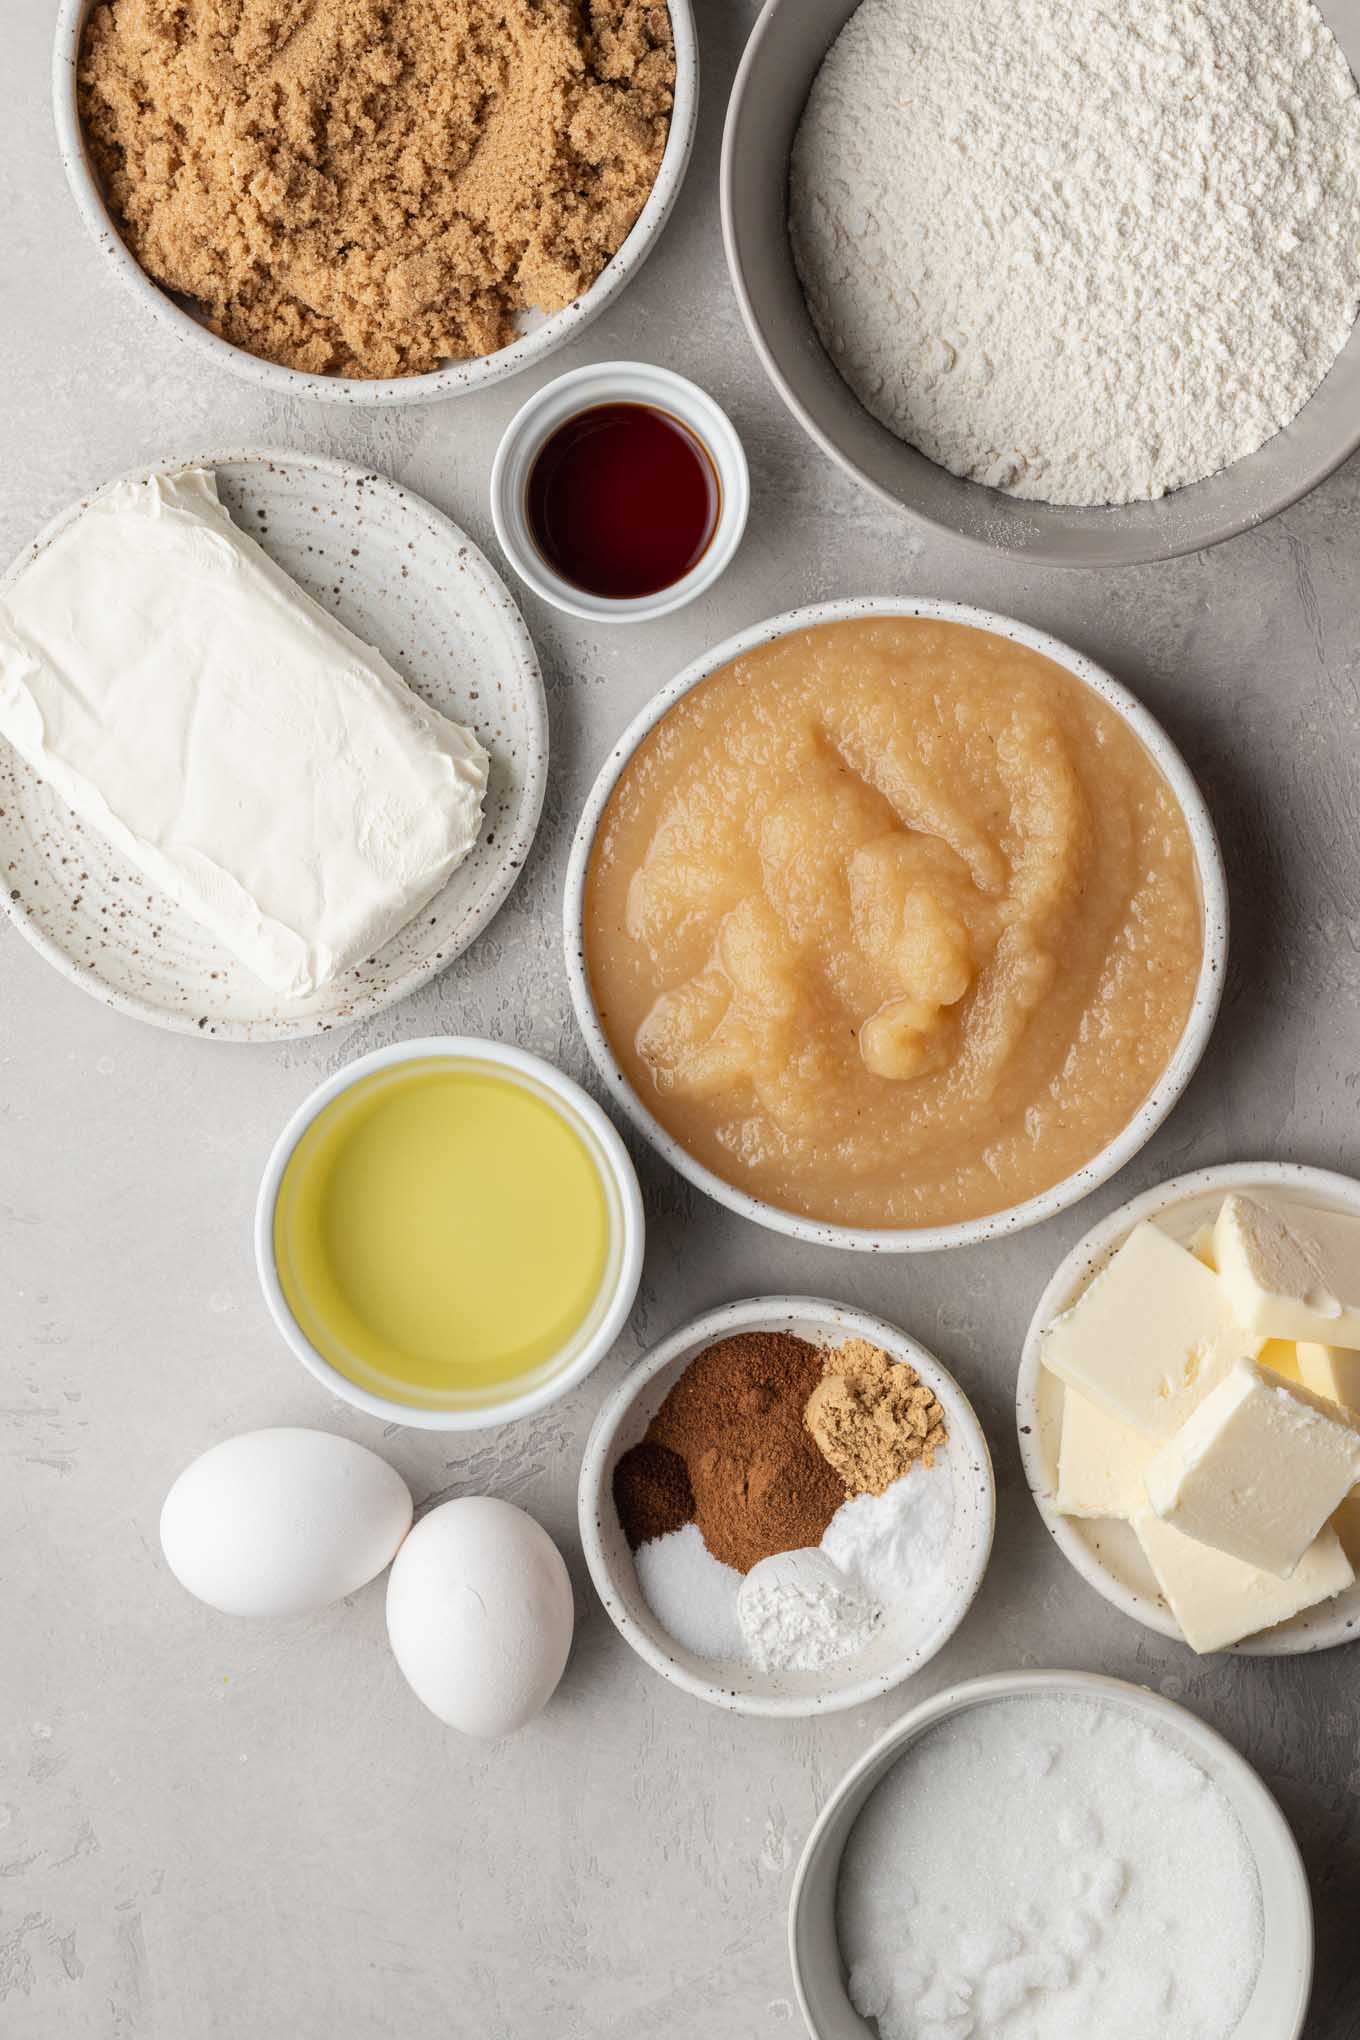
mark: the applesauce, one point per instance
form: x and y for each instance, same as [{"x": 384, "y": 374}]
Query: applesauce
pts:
[{"x": 892, "y": 922}]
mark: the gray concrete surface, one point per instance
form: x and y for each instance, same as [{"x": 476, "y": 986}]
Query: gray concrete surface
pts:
[{"x": 210, "y": 1831}]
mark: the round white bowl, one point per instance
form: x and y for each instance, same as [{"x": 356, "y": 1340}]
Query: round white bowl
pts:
[
  {"x": 781, "y": 59},
  {"x": 1105, "y": 1552},
  {"x": 616, "y": 382},
  {"x": 1279, "y": 2003},
  {"x": 1164, "y": 1093},
  {"x": 543, "y": 335},
  {"x": 742, "y": 1688},
  {"x": 471, "y": 1411}
]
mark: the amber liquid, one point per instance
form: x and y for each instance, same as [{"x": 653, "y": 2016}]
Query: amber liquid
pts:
[{"x": 623, "y": 500}]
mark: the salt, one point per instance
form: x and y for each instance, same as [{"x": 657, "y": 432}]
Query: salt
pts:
[
  {"x": 1049, "y": 1869},
  {"x": 882, "y": 1571}
]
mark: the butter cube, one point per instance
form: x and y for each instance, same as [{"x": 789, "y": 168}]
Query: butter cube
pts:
[
  {"x": 1329, "y": 1371},
  {"x": 1281, "y": 1356},
  {"x": 1290, "y": 1275},
  {"x": 1100, "y": 1462},
  {"x": 1217, "y": 1600},
  {"x": 1151, "y": 1336},
  {"x": 1257, "y": 1469}
]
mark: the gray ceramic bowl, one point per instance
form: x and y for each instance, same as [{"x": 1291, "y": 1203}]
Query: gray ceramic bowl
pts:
[{"x": 785, "y": 51}]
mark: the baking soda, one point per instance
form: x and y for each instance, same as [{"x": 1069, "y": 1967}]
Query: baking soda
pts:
[{"x": 1049, "y": 1869}]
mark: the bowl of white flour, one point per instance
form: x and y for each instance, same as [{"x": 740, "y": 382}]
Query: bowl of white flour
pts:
[{"x": 1075, "y": 284}]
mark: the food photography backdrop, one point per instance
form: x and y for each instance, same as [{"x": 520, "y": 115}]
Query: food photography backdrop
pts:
[{"x": 213, "y": 1829}]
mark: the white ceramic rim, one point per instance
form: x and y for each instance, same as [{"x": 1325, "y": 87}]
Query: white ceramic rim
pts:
[
  {"x": 514, "y": 850},
  {"x": 454, "y": 1048},
  {"x": 1287, "y": 1864},
  {"x": 754, "y": 1313},
  {"x": 1065, "y": 1284},
  {"x": 1164, "y": 1093},
  {"x": 457, "y": 378},
  {"x": 611, "y": 382}
]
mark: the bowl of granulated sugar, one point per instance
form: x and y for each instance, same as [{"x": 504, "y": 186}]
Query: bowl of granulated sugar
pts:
[
  {"x": 787, "y": 1507},
  {"x": 1055, "y": 288},
  {"x": 1055, "y": 1853}
]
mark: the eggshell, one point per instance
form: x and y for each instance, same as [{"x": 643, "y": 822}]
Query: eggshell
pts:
[
  {"x": 479, "y": 1613},
  {"x": 283, "y": 1522}
]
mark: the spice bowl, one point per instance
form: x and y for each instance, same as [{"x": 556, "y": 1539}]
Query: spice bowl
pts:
[
  {"x": 1103, "y": 1550},
  {"x": 538, "y": 335},
  {"x": 582, "y": 390},
  {"x": 1278, "y": 2006},
  {"x": 738, "y": 1686}
]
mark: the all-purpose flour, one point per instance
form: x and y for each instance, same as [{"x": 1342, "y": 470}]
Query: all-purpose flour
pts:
[{"x": 1084, "y": 252}]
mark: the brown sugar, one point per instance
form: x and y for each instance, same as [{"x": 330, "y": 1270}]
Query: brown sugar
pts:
[
  {"x": 735, "y": 1417},
  {"x": 873, "y": 1417},
  {"x": 373, "y": 187}
]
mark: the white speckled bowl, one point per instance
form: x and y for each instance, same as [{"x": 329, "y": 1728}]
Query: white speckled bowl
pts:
[
  {"x": 473, "y": 1409},
  {"x": 541, "y": 336},
  {"x": 1279, "y": 2003},
  {"x": 741, "y": 1688},
  {"x": 1155, "y": 1107},
  {"x": 1105, "y": 1552},
  {"x": 403, "y": 577}
]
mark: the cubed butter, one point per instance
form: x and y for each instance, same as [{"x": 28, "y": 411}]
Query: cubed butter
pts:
[
  {"x": 1150, "y": 1337},
  {"x": 1100, "y": 1462},
  {"x": 1290, "y": 1274},
  {"x": 1329, "y": 1371},
  {"x": 1257, "y": 1469},
  {"x": 1281, "y": 1356},
  {"x": 1217, "y": 1600}
]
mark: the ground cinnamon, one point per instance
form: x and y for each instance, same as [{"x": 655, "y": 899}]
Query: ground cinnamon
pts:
[{"x": 735, "y": 1418}]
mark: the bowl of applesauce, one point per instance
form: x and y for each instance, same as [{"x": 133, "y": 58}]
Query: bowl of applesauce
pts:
[{"x": 895, "y": 925}]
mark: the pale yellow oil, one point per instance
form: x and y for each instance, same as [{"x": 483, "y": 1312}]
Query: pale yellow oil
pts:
[{"x": 442, "y": 1227}]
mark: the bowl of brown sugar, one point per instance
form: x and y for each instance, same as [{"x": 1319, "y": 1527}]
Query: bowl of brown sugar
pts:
[
  {"x": 376, "y": 205},
  {"x": 787, "y": 1507}
]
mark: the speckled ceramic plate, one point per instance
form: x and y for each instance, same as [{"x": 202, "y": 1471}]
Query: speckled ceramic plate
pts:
[
  {"x": 1105, "y": 1552},
  {"x": 403, "y": 577},
  {"x": 743, "y": 1688}
]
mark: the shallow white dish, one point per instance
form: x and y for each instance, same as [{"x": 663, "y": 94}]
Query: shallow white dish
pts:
[
  {"x": 405, "y": 578},
  {"x": 475, "y": 1410},
  {"x": 742, "y": 1688},
  {"x": 1279, "y": 2003},
  {"x": 1159, "y": 1101},
  {"x": 540, "y": 336},
  {"x": 616, "y": 382},
  {"x": 1106, "y": 1553}
]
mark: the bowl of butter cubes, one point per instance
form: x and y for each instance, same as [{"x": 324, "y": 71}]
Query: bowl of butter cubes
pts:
[{"x": 1189, "y": 1408}]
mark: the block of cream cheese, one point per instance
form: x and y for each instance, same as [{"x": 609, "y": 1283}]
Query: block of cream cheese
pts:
[
  {"x": 1100, "y": 1462},
  {"x": 1150, "y": 1337},
  {"x": 1290, "y": 1275},
  {"x": 1217, "y": 1600},
  {"x": 1257, "y": 1469},
  {"x": 267, "y": 770}
]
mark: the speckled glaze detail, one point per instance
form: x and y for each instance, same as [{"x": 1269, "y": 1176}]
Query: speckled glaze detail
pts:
[
  {"x": 1107, "y": 1553},
  {"x": 742, "y": 1689},
  {"x": 405, "y": 578},
  {"x": 1278, "y": 2007},
  {"x": 541, "y": 335},
  {"x": 1159, "y": 1101}
]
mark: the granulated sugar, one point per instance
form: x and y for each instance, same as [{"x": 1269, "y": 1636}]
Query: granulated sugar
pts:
[
  {"x": 692, "y": 1594},
  {"x": 1083, "y": 253},
  {"x": 1049, "y": 1869}
]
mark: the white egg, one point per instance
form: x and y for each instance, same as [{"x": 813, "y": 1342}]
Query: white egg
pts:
[
  {"x": 283, "y": 1522},
  {"x": 479, "y": 1613}
]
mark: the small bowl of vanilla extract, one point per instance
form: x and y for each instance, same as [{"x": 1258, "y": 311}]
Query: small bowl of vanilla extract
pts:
[{"x": 620, "y": 492}]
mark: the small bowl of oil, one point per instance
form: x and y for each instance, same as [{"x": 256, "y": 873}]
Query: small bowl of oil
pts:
[
  {"x": 449, "y": 1233},
  {"x": 620, "y": 492}
]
